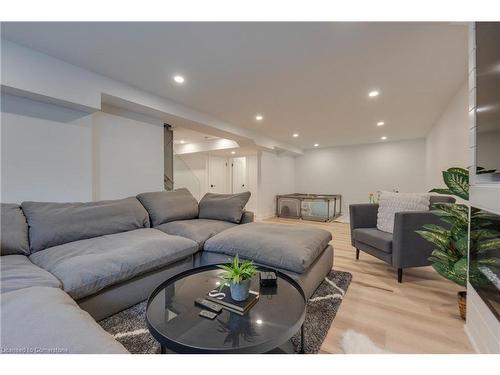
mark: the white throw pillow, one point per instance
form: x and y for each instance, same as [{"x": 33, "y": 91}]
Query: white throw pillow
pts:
[{"x": 390, "y": 203}]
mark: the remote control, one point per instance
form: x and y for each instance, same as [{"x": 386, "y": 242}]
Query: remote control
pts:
[
  {"x": 207, "y": 314},
  {"x": 206, "y": 304}
]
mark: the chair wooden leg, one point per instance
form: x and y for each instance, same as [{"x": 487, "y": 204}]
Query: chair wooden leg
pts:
[
  {"x": 357, "y": 254},
  {"x": 400, "y": 275}
]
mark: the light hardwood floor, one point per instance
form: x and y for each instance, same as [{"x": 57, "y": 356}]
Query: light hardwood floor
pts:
[{"x": 418, "y": 316}]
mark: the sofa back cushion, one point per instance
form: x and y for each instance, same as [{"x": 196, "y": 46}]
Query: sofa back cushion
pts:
[
  {"x": 166, "y": 206},
  {"x": 227, "y": 207},
  {"x": 390, "y": 203},
  {"x": 13, "y": 231},
  {"x": 52, "y": 224}
]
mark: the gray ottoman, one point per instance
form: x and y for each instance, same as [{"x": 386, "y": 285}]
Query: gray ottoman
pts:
[{"x": 302, "y": 252}]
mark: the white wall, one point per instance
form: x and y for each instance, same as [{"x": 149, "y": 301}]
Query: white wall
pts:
[
  {"x": 46, "y": 152},
  {"x": 447, "y": 143},
  {"x": 355, "y": 171},
  {"x": 488, "y": 155},
  {"x": 52, "y": 153},
  {"x": 253, "y": 182},
  {"x": 276, "y": 176},
  {"x": 128, "y": 155},
  {"x": 191, "y": 172}
]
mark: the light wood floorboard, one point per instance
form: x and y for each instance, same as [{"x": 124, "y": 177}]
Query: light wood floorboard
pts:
[{"x": 418, "y": 316}]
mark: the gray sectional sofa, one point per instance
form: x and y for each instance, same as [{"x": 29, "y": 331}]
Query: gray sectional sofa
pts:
[{"x": 66, "y": 265}]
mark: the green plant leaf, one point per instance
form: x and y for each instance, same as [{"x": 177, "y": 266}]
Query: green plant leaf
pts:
[
  {"x": 444, "y": 256},
  {"x": 488, "y": 245},
  {"x": 464, "y": 172},
  {"x": 450, "y": 257},
  {"x": 452, "y": 208},
  {"x": 483, "y": 234},
  {"x": 457, "y": 182},
  {"x": 441, "y": 241},
  {"x": 489, "y": 262},
  {"x": 455, "y": 214},
  {"x": 449, "y": 273},
  {"x": 436, "y": 229},
  {"x": 462, "y": 245},
  {"x": 236, "y": 271},
  {"x": 460, "y": 268},
  {"x": 457, "y": 231}
]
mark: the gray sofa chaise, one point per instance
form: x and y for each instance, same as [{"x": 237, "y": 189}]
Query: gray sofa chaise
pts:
[
  {"x": 403, "y": 248},
  {"x": 303, "y": 253},
  {"x": 66, "y": 265}
]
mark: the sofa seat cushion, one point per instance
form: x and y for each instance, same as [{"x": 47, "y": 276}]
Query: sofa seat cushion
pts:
[
  {"x": 85, "y": 267},
  {"x": 17, "y": 272},
  {"x": 375, "y": 238},
  {"x": 290, "y": 247},
  {"x": 198, "y": 230},
  {"x": 47, "y": 320}
]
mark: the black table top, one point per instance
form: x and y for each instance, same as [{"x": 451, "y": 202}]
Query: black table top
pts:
[{"x": 173, "y": 320}]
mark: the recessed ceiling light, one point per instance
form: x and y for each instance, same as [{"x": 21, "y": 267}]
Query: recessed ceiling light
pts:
[
  {"x": 295, "y": 135},
  {"x": 233, "y": 152},
  {"x": 383, "y": 138},
  {"x": 380, "y": 123},
  {"x": 182, "y": 141},
  {"x": 373, "y": 93},
  {"x": 259, "y": 117},
  {"x": 179, "y": 79},
  {"x": 316, "y": 144}
]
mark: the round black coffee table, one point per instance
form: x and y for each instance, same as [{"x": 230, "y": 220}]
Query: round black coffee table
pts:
[{"x": 173, "y": 320}]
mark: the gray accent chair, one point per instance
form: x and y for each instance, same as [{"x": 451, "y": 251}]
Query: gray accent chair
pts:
[{"x": 403, "y": 248}]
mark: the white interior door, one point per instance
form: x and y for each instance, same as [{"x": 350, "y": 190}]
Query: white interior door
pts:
[
  {"x": 239, "y": 175},
  {"x": 217, "y": 175}
]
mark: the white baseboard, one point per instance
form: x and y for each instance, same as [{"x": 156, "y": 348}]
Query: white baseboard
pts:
[{"x": 264, "y": 217}]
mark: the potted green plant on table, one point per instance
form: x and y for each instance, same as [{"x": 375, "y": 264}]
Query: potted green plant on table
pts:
[
  {"x": 450, "y": 257},
  {"x": 239, "y": 276}
]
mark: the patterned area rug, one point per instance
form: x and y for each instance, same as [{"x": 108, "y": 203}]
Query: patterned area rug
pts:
[{"x": 129, "y": 326}]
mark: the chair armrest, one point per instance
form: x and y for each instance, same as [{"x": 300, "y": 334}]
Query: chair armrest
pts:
[
  {"x": 363, "y": 215},
  {"x": 409, "y": 249},
  {"x": 247, "y": 217}
]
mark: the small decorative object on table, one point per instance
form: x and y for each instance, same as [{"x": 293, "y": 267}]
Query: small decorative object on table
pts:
[
  {"x": 267, "y": 279},
  {"x": 238, "y": 276},
  {"x": 238, "y": 307},
  {"x": 268, "y": 283}
]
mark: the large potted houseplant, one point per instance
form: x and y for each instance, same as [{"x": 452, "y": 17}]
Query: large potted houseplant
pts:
[
  {"x": 239, "y": 276},
  {"x": 450, "y": 257}
]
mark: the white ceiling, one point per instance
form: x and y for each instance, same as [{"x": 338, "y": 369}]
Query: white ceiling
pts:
[
  {"x": 191, "y": 136},
  {"x": 310, "y": 78}
]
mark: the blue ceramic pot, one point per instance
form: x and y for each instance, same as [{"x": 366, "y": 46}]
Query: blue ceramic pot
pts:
[{"x": 240, "y": 291}]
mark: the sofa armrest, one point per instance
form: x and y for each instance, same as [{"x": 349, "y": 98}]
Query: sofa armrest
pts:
[
  {"x": 247, "y": 217},
  {"x": 409, "y": 249},
  {"x": 363, "y": 215}
]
